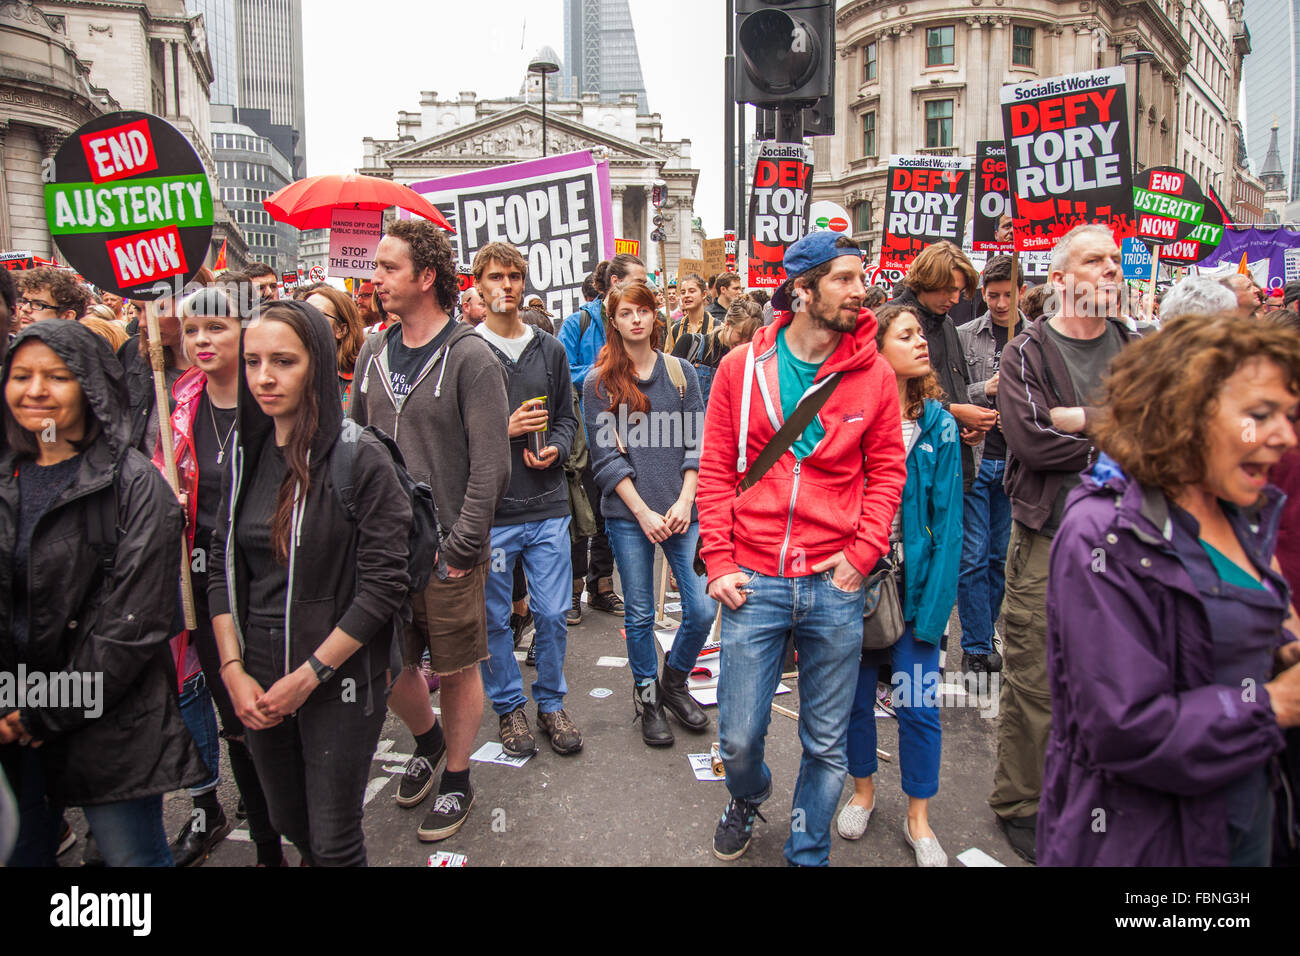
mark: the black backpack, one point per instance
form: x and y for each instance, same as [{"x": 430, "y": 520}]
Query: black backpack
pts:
[{"x": 425, "y": 539}]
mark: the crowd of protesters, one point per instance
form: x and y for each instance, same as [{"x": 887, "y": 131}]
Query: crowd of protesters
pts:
[{"x": 384, "y": 492}]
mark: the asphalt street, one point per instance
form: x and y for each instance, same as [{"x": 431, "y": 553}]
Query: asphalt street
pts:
[{"x": 621, "y": 803}]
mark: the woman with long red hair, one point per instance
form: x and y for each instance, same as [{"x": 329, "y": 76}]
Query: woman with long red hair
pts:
[{"x": 644, "y": 414}]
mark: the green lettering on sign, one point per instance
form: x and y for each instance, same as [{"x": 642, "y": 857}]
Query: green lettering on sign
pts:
[
  {"x": 128, "y": 205},
  {"x": 1207, "y": 232},
  {"x": 1161, "y": 205}
]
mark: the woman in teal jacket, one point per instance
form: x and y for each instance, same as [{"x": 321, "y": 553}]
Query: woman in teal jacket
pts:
[{"x": 926, "y": 541}]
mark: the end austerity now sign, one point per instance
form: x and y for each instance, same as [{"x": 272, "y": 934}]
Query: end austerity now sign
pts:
[{"x": 130, "y": 205}]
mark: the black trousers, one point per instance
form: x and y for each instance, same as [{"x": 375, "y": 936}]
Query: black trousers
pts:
[
  {"x": 314, "y": 767},
  {"x": 601, "y": 564},
  {"x": 241, "y": 761}
]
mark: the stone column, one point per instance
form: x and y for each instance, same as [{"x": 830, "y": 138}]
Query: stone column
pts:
[
  {"x": 616, "y": 198},
  {"x": 5, "y": 242},
  {"x": 974, "y": 114},
  {"x": 886, "y": 66}
]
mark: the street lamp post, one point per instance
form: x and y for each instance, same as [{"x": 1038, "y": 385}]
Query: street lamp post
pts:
[
  {"x": 1137, "y": 58},
  {"x": 544, "y": 62}
]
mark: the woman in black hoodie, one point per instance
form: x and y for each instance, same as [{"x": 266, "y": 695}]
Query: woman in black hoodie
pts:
[
  {"x": 303, "y": 613},
  {"x": 89, "y": 559}
]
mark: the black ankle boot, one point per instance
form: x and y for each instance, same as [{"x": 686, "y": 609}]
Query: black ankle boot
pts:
[
  {"x": 654, "y": 723},
  {"x": 678, "y": 700}
]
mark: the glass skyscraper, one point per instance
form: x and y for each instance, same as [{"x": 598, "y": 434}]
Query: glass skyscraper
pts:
[
  {"x": 1270, "y": 84},
  {"x": 223, "y": 46},
  {"x": 600, "y": 54}
]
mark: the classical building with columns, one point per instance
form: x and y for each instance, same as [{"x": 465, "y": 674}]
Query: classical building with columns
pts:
[
  {"x": 67, "y": 61},
  {"x": 461, "y": 135},
  {"x": 925, "y": 76}
]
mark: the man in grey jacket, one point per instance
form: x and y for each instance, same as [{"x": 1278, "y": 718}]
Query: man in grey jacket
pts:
[
  {"x": 987, "y": 521},
  {"x": 436, "y": 388}
]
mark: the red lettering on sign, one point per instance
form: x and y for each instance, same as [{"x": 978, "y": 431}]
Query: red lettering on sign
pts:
[
  {"x": 765, "y": 174},
  {"x": 1058, "y": 114},
  {"x": 147, "y": 256},
  {"x": 119, "y": 152}
]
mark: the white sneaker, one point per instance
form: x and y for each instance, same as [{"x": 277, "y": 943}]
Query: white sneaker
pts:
[
  {"x": 852, "y": 821},
  {"x": 928, "y": 851}
]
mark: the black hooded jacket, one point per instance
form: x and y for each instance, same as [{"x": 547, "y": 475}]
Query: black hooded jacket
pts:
[
  {"x": 341, "y": 574},
  {"x": 84, "y": 621}
]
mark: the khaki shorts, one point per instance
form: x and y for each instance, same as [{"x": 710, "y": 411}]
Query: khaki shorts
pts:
[{"x": 450, "y": 619}]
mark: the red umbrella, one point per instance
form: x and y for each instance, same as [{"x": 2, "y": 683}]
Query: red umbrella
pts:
[{"x": 310, "y": 203}]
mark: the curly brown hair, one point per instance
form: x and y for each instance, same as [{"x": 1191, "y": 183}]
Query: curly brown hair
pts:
[
  {"x": 918, "y": 389},
  {"x": 430, "y": 249},
  {"x": 1163, "y": 390}
]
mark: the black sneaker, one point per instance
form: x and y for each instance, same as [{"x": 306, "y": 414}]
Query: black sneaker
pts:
[
  {"x": 573, "y": 617},
  {"x": 241, "y": 811},
  {"x": 520, "y": 623},
  {"x": 606, "y": 601},
  {"x": 982, "y": 663},
  {"x": 735, "y": 829},
  {"x": 192, "y": 845},
  {"x": 1022, "y": 834},
  {"x": 417, "y": 778},
  {"x": 530, "y": 659},
  {"x": 447, "y": 816}
]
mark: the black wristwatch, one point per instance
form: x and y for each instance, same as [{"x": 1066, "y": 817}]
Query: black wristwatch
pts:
[{"x": 323, "y": 671}]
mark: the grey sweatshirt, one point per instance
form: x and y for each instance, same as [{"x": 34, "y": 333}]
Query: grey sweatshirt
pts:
[
  {"x": 451, "y": 430},
  {"x": 659, "y": 448}
]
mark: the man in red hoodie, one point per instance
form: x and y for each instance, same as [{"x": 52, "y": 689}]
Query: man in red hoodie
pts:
[{"x": 786, "y": 556}]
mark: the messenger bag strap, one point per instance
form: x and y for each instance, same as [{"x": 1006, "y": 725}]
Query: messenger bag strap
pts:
[{"x": 789, "y": 432}]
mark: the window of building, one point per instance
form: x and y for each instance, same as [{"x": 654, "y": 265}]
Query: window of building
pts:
[
  {"x": 869, "y": 134},
  {"x": 1022, "y": 46},
  {"x": 938, "y": 123},
  {"x": 862, "y": 217},
  {"x": 868, "y": 63},
  {"x": 939, "y": 47}
]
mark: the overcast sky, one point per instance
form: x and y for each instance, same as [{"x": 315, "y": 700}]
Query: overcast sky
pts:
[{"x": 365, "y": 61}]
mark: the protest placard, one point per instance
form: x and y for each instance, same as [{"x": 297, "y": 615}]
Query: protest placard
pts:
[
  {"x": 1205, "y": 237},
  {"x": 629, "y": 246},
  {"x": 714, "y": 252},
  {"x": 556, "y": 211},
  {"x": 778, "y": 209},
  {"x": 992, "y": 197},
  {"x": 1067, "y": 144},
  {"x": 687, "y": 266},
  {"x": 926, "y": 204},
  {"x": 129, "y": 203},
  {"x": 354, "y": 237}
]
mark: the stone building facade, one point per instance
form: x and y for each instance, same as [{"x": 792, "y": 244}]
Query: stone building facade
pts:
[
  {"x": 461, "y": 135},
  {"x": 925, "y": 76}
]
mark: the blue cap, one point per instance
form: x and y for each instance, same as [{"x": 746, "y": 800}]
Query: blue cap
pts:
[{"x": 808, "y": 253}]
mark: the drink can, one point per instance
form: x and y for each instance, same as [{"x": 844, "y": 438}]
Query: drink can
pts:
[{"x": 537, "y": 439}]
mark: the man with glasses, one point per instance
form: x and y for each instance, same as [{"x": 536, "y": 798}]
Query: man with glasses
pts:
[{"x": 49, "y": 294}]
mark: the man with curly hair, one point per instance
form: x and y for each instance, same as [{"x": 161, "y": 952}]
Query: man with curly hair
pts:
[
  {"x": 50, "y": 294},
  {"x": 438, "y": 389},
  {"x": 1050, "y": 376}
]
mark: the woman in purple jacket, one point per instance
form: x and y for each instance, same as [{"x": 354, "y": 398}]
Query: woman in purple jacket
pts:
[{"x": 1172, "y": 675}]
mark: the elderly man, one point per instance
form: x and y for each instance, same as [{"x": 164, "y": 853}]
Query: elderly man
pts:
[
  {"x": 473, "y": 309},
  {"x": 1050, "y": 375},
  {"x": 1248, "y": 294}
]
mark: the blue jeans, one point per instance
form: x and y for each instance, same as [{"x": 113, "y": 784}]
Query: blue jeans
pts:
[
  {"x": 635, "y": 556},
  {"x": 915, "y": 668},
  {"x": 199, "y": 716},
  {"x": 826, "y": 624},
  {"x": 983, "y": 557},
  {"x": 130, "y": 832},
  {"x": 545, "y": 549}
]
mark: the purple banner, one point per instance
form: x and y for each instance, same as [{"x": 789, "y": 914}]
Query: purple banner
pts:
[{"x": 1281, "y": 247}]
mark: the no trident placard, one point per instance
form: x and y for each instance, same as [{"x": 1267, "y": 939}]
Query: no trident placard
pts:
[{"x": 129, "y": 202}]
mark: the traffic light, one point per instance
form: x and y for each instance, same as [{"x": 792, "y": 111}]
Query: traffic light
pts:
[{"x": 785, "y": 52}]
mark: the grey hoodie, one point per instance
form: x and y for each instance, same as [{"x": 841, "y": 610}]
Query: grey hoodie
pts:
[{"x": 451, "y": 430}]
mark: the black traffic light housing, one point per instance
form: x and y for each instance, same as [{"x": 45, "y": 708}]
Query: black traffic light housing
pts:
[{"x": 785, "y": 52}]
